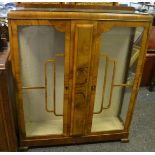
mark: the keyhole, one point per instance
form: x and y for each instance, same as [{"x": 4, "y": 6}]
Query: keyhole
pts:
[
  {"x": 93, "y": 88},
  {"x": 66, "y": 87}
]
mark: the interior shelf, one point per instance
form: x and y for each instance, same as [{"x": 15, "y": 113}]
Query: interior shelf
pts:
[
  {"x": 44, "y": 127},
  {"x": 106, "y": 124}
]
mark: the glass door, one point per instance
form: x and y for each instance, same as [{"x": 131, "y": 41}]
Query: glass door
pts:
[
  {"x": 41, "y": 60},
  {"x": 119, "y": 51}
]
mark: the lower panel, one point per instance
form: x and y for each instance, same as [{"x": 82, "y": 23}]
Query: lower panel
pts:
[{"x": 74, "y": 140}]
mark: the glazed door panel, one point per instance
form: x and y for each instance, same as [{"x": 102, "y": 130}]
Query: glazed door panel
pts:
[
  {"x": 119, "y": 50},
  {"x": 42, "y": 75},
  {"x": 43, "y": 80}
]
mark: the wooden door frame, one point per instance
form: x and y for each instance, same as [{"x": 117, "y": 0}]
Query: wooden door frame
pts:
[
  {"x": 105, "y": 26},
  {"x": 62, "y": 26}
]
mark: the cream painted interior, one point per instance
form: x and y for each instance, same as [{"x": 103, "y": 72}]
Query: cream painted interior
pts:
[
  {"x": 115, "y": 44},
  {"x": 37, "y": 45}
]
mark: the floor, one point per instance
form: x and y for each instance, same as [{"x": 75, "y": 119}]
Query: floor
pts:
[{"x": 142, "y": 132}]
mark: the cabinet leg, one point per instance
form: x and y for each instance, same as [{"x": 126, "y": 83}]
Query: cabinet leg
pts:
[
  {"x": 124, "y": 140},
  {"x": 23, "y": 148}
]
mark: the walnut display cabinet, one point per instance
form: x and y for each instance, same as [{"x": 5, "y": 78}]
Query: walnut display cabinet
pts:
[{"x": 77, "y": 73}]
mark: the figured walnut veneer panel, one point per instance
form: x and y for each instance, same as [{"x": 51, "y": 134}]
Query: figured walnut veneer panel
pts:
[{"x": 82, "y": 59}]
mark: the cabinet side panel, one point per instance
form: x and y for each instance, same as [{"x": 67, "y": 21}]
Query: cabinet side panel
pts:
[
  {"x": 3, "y": 143},
  {"x": 8, "y": 141}
]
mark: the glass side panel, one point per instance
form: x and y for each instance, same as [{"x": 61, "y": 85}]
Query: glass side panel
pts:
[
  {"x": 42, "y": 75},
  {"x": 117, "y": 64}
]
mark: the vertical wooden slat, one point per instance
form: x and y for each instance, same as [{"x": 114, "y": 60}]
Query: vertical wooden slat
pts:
[
  {"x": 82, "y": 60},
  {"x": 67, "y": 83},
  {"x": 93, "y": 77}
]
